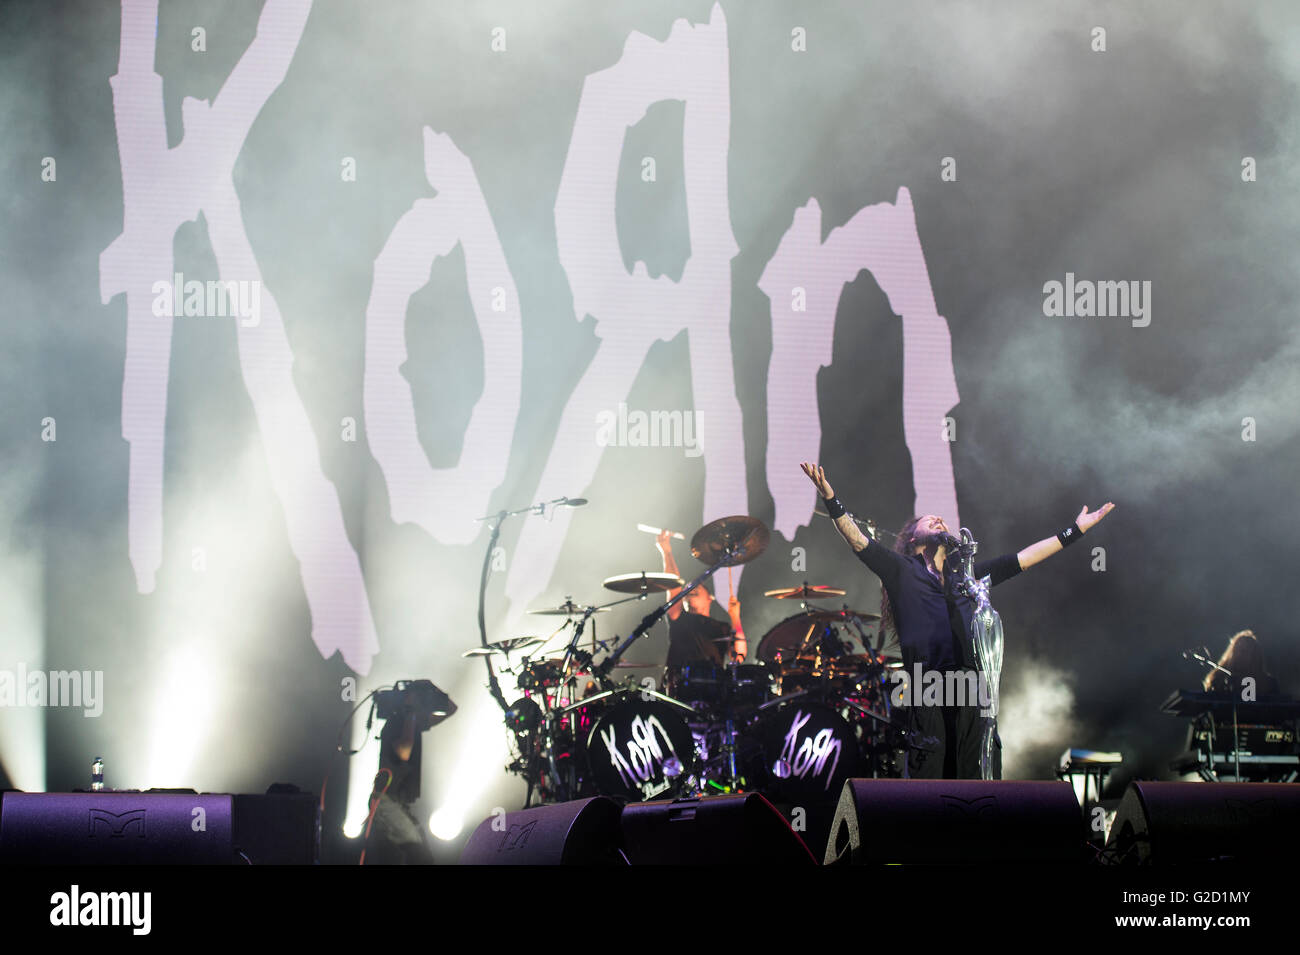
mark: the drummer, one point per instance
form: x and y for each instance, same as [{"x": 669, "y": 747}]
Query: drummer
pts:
[{"x": 694, "y": 634}]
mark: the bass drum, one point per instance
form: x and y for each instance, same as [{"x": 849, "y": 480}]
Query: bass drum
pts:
[
  {"x": 641, "y": 747},
  {"x": 802, "y": 752}
]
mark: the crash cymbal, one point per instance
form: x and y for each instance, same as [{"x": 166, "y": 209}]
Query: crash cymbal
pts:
[
  {"x": 508, "y": 645},
  {"x": 729, "y": 541},
  {"x": 643, "y": 582},
  {"x": 566, "y": 609},
  {"x": 806, "y": 592}
]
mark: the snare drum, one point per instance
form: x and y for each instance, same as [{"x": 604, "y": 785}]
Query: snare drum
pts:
[{"x": 641, "y": 746}]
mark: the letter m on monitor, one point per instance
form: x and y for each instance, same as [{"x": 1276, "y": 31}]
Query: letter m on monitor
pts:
[
  {"x": 115, "y": 825},
  {"x": 517, "y": 837}
]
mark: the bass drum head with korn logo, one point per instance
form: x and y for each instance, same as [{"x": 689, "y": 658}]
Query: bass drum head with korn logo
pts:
[
  {"x": 639, "y": 749},
  {"x": 804, "y": 753}
]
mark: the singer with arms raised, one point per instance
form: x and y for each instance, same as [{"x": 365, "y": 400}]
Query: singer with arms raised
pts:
[{"x": 933, "y": 622}]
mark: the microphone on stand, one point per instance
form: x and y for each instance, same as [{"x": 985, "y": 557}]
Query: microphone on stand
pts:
[{"x": 547, "y": 508}]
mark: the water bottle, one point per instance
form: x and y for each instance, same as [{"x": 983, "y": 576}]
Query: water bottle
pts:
[{"x": 97, "y": 774}]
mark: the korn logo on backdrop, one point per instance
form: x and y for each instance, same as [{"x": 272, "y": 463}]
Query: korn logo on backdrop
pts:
[{"x": 164, "y": 188}]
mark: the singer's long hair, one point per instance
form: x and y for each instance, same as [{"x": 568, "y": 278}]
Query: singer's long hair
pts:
[
  {"x": 1244, "y": 657},
  {"x": 903, "y": 543}
]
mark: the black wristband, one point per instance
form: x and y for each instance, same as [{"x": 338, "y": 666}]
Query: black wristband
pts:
[
  {"x": 1069, "y": 535},
  {"x": 835, "y": 508}
]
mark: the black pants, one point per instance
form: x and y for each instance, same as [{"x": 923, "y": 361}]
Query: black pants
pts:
[{"x": 946, "y": 743}]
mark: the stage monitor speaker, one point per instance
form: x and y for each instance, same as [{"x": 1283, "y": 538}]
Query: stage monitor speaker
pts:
[
  {"x": 277, "y": 829},
  {"x": 582, "y": 832},
  {"x": 1192, "y": 822},
  {"x": 955, "y": 821},
  {"x": 115, "y": 829},
  {"x": 742, "y": 829},
  {"x": 151, "y": 828}
]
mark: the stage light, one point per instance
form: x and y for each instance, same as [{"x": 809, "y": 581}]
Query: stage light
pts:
[
  {"x": 22, "y": 731},
  {"x": 446, "y": 824},
  {"x": 183, "y": 708},
  {"x": 483, "y": 753}
]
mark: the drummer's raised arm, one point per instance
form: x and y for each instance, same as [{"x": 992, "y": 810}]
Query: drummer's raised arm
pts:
[{"x": 665, "y": 542}]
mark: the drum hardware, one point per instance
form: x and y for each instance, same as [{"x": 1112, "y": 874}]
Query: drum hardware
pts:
[
  {"x": 496, "y": 521},
  {"x": 870, "y": 714},
  {"x": 784, "y": 698}
]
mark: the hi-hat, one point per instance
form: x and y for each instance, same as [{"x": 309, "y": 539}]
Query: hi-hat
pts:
[
  {"x": 566, "y": 609},
  {"x": 729, "y": 541},
  {"x": 806, "y": 592},
  {"x": 643, "y": 582}
]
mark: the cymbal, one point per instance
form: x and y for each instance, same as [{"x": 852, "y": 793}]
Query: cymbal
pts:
[
  {"x": 508, "y": 645},
  {"x": 729, "y": 541},
  {"x": 806, "y": 592},
  {"x": 643, "y": 582},
  {"x": 566, "y": 609}
]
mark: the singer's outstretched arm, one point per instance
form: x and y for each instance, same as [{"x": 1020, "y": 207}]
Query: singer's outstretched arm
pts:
[
  {"x": 1045, "y": 548},
  {"x": 844, "y": 524}
]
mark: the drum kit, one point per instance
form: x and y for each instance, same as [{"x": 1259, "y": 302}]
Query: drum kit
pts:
[{"x": 810, "y": 710}]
